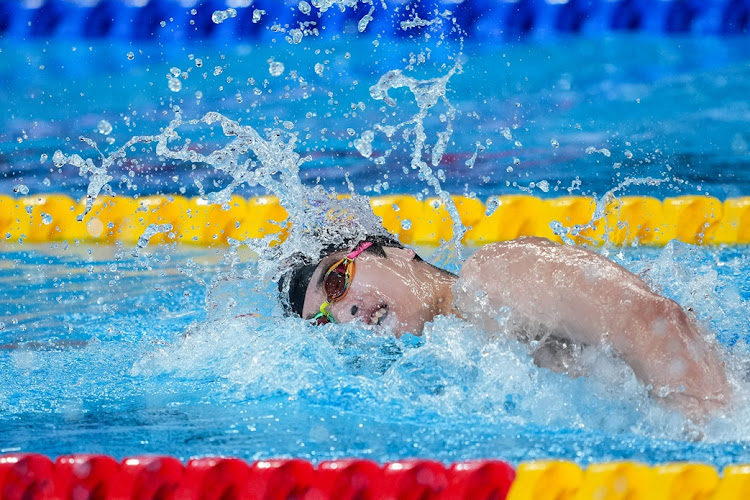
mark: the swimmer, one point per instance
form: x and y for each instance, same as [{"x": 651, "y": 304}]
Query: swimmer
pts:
[{"x": 560, "y": 299}]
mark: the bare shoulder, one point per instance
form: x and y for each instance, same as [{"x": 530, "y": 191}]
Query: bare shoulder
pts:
[
  {"x": 505, "y": 252},
  {"x": 532, "y": 256},
  {"x": 497, "y": 273},
  {"x": 522, "y": 244}
]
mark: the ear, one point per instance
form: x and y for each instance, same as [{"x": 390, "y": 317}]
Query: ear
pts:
[{"x": 404, "y": 253}]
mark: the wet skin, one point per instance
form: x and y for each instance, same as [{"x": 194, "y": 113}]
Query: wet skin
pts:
[{"x": 574, "y": 293}]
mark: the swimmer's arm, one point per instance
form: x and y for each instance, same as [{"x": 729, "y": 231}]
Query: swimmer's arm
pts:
[{"x": 591, "y": 300}]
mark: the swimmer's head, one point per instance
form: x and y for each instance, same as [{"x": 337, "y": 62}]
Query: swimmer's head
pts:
[
  {"x": 381, "y": 284},
  {"x": 300, "y": 268}
]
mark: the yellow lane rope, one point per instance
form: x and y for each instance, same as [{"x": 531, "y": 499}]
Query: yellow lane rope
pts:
[
  {"x": 628, "y": 480},
  {"x": 626, "y": 220}
]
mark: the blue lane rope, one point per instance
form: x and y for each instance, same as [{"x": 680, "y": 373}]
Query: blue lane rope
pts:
[{"x": 489, "y": 20}]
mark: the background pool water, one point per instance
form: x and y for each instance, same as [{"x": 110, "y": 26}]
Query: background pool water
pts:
[
  {"x": 183, "y": 350},
  {"x": 672, "y": 109}
]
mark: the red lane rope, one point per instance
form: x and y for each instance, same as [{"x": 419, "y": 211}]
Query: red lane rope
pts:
[{"x": 28, "y": 476}]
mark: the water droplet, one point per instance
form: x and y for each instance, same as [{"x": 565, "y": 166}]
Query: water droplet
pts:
[
  {"x": 492, "y": 203},
  {"x": 304, "y": 7},
  {"x": 46, "y": 219},
  {"x": 175, "y": 85},
  {"x": 257, "y": 14},
  {"x": 406, "y": 224},
  {"x": 319, "y": 69},
  {"x": 628, "y": 154},
  {"x": 104, "y": 127},
  {"x": 275, "y": 68},
  {"x": 163, "y": 24},
  {"x": 20, "y": 188},
  {"x": 554, "y": 143},
  {"x": 362, "y": 24},
  {"x": 220, "y": 16},
  {"x": 199, "y": 95},
  {"x": 58, "y": 158},
  {"x": 591, "y": 150},
  {"x": 364, "y": 143},
  {"x": 543, "y": 185},
  {"x": 295, "y": 36},
  {"x": 130, "y": 56},
  {"x": 43, "y": 158}
]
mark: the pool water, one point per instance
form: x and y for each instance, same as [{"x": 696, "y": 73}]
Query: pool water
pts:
[
  {"x": 671, "y": 109},
  {"x": 184, "y": 351},
  {"x": 104, "y": 352}
]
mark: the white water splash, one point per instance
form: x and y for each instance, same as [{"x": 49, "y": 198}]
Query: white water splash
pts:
[
  {"x": 567, "y": 233},
  {"x": 427, "y": 94},
  {"x": 98, "y": 176},
  {"x": 151, "y": 231},
  {"x": 252, "y": 159}
]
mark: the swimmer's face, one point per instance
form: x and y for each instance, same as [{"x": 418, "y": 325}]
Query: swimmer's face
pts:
[{"x": 387, "y": 293}]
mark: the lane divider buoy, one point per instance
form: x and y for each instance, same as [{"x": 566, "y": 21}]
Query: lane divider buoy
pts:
[
  {"x": 629, "y": 220},
  {"x": 489, "y": 20},
  {"x": 30, "y": 475}
]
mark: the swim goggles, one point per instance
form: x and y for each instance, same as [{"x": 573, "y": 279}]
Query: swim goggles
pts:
[{"x": 336, "y": 283}]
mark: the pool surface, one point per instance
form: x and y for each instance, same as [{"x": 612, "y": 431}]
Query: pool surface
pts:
[{"x": 98, "y": 362}]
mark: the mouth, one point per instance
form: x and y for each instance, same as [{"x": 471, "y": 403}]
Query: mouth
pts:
[{"x": 379, "y": 315}]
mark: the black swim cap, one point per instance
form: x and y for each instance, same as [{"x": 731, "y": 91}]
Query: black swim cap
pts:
[{"x": 294, "y": 281}]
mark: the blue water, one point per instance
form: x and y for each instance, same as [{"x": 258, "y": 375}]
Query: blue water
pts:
[
  {"x": 108, "y": 353},
  {"x": 102, "y": 351},
  {"x": 667, "y": 108}
]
